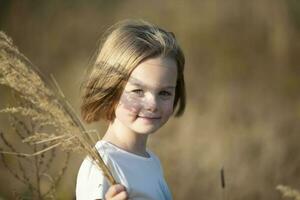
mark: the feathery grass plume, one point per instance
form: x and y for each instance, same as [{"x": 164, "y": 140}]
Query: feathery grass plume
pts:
[
  {"x": 288, "y": 192},
  {"x": 32, "y": 172},
  {"x": 48, "y": 107}
]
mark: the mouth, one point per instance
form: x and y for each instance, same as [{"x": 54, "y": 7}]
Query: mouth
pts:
[{"x": 148, "y": 117}]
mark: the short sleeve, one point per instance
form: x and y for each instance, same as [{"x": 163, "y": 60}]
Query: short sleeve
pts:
[{"x": 91, "y": 183}]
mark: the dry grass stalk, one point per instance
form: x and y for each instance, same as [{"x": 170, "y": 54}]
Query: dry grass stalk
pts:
[
  {"x": 223, "y": 183},
  {"x": 32, "y": 176},
  {"x": 289, "y": 192},
  {"x": 47, "y": 108}
]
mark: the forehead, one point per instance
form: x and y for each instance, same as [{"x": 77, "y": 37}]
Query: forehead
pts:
[{"x": 155, "y": 72}]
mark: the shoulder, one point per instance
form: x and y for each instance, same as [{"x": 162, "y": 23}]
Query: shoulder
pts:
[
  {"x": 89, "y": 168},
  {"x": 155, "y": 160},
  {"x": 91, "y": 183},
  {"x": 153, "y": 156},
  {"x": 106, "y": 149},
  {"x": 105, "y": 152}
]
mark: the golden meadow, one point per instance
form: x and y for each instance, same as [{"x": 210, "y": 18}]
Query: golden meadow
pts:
[{"x": 242, "y": 75}]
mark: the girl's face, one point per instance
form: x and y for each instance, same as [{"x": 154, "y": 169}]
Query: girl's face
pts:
[{"x": 147, "y": 100}]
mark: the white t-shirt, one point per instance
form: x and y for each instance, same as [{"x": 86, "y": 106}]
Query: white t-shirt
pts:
[{"x": 142, "y": 177}]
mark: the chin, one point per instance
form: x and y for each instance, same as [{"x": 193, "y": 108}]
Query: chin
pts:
[{"x": 146, "y": 131}]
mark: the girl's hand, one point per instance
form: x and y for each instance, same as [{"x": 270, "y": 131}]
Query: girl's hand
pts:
[{"x": 116, "y": 192}]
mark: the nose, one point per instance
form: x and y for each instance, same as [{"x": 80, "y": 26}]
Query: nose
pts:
[{"x": 151, "y": 103}]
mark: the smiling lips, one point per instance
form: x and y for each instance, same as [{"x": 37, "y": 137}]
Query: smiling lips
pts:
[{"x": 145, "y": 117}]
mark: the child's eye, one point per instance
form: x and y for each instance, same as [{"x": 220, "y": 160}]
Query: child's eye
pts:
[
  {"x": 138, "y": 92},
  {"x": 165, "y": 93}
]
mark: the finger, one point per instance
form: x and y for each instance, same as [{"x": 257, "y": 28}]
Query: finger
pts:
[
  {"x": 113, "y": 190},
  {"x": 121, "y": 196}
]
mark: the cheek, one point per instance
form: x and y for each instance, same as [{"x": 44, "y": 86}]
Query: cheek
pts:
[
  {"x": 129, "y": 104},
  {"x": 124, "y": 115},
  {"x": 168, "y": 108}
]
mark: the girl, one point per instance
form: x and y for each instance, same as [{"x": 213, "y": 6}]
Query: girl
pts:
[{"x": 136, "y": 83}]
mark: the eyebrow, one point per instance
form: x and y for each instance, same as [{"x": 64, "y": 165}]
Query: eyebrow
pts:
[{"x": 141, "y": 85}]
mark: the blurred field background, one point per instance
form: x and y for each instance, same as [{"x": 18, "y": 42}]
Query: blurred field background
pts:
[{"x": 242, "y": 77}]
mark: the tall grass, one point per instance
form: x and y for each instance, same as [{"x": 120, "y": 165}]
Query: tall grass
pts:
[
  {"x": 242, "y": 77},
  {"x": 42, "y": 103}
]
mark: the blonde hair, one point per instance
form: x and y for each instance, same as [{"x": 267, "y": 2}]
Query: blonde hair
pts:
[{"x": 124, "y": 46}]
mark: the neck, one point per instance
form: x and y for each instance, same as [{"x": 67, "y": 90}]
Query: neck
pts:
[{"x": 126, "y": 139}]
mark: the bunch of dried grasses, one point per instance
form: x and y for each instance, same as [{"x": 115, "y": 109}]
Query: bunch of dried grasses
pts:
[
  {"x": 32, "y": 172},
  {"x": 288, "y": 192},
  {"x": 45, "y": 107}
]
